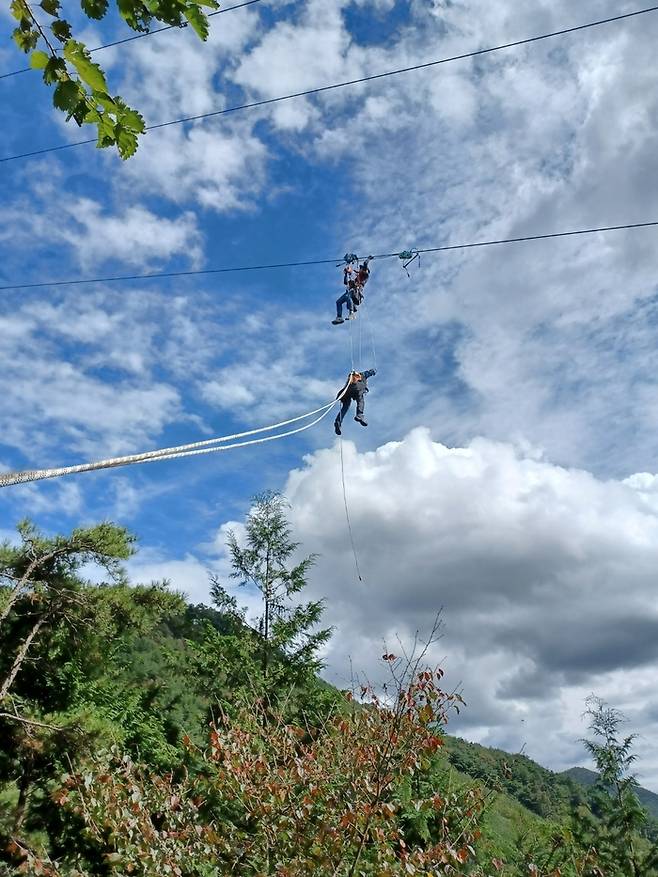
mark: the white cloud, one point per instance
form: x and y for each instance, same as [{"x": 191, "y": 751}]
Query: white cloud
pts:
[
  {"x": 134, "y": 235},
  {"x": 545, "y": 575}
]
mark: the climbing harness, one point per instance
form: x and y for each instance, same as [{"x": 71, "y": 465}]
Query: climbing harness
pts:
[
  {"x": 189, "y": 450},
  {"x": 407, "y": 257}
]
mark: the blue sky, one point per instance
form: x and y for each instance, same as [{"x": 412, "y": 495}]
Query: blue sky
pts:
[{"x": 507, "y": 474}]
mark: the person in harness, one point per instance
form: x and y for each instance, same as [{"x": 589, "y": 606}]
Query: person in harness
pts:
[
  {"x": 354, "y": 281},
  {"x": 356, "y": 388}
]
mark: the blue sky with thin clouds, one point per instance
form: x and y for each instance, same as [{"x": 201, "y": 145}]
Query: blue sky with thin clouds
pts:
[{"x": 507, "y": 472}]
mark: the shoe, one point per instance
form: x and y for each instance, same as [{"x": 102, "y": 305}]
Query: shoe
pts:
[
  {"x": 352, "y": 316},
  {"x": 361, "y": 421},
  {"x": 337, "y": 428},
  {"x": 337, "y": 321}
]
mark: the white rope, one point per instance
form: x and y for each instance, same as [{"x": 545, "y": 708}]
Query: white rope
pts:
[
  {"x": 351, "y": 342},
  {"x": 347, "y": 513},
  {"x": 189, "y": 450},
  {"x": 361, "y": 337},
  {"x": 372, "y": 338}
]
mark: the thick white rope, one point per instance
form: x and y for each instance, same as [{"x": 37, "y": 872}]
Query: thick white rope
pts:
[{"x": 189, "y": 450}]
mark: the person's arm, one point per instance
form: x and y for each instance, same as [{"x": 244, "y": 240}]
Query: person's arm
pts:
[{"x": 370, "y": 373}]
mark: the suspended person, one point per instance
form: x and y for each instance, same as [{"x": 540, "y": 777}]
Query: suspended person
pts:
[
  {"x": 354, "y": 281},
  {"x": 362, "y": 277},
  {"x": 356, "y": 388},
  {"x": 347, "y": 298}
]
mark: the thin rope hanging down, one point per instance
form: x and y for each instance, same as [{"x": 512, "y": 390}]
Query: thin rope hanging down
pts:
[
  {"x": 347, "y": 512},
  {"x": 189, "y": 450}
]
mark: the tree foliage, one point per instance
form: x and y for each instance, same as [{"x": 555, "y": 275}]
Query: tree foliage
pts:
[
  {"x": 80, "y": 85},
  {"x": 615, "y": 821},
  {"x": 142, "y": 735},
  {"x": 288, "y": 641},
  {"x": 274, "y": 800}
]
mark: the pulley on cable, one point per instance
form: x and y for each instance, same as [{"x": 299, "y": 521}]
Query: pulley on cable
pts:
[{"x": 407, "y": 257}]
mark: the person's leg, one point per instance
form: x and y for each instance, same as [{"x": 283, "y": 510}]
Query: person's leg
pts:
[
  {"x": 344, "y": 299},
  {"x": 347, "y": 400},
  {"x": 360, "y": 405}
]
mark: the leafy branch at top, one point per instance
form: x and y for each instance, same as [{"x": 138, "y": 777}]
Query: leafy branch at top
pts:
[{"x": 80, "y": 85}]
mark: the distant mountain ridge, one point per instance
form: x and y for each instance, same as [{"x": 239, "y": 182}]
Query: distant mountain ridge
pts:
[{"x": 587, "y": 778}]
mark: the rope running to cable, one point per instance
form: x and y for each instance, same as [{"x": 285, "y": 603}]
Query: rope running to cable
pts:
[
  {"x": 140, "y": 36},
  {"x": 188, "y": 450},
  {"x": 350, "y": 82},
  {"x": 123, "y": 278}
]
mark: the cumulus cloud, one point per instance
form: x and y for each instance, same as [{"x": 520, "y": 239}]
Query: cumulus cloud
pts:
[
  {"x": 545, "y": 576},
  {"x": 95, "y": 234}
]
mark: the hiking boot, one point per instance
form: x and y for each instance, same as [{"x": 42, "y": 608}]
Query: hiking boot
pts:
[
  {"x": 337, "y": 321},
  {"x": 337, "y": 427},
  {"x": 361, "y": 421}
]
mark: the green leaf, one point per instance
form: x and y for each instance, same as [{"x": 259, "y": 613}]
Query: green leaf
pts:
[
  {"x": 26, "y": 40},
  {"x": 198, "y": 21},
  {"x": 38, "y": 60},
  {"x": 80, "y": 112},
  {"x": 52, "y": 7},
  {"x": 126, "y": 142},
  {"x": 105, "y": 127},
  {"x": 89, "y": 72},
  {"x": 133, "y": 121},
  {"x": 94, "y": 8},
  {"x": 106, "y": 101},
  {"x": 137, "y": 17},
  {"x": 66, "y": 96},
  {"x": 18, "y": 10},
  {"x": 55, "y": 71},
  {"x": 61, "y": 29}
]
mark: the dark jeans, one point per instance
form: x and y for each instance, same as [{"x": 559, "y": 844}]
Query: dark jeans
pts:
[
  {"x": 345, "y": 406},
  {"x": 345, "y": 299}
]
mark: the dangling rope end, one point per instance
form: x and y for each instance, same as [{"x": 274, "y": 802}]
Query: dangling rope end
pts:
[{"x": 347, "y": 513}]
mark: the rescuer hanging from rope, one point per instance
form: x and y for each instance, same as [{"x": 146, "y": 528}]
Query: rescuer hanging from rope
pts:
[
  {"x": 354, "y": 281},
  {"x": 357, "y": 387}
]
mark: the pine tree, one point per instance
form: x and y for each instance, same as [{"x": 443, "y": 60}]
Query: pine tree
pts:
[
  {"x": 615, "y": 822},
  {"x": 288, "y": 643}
]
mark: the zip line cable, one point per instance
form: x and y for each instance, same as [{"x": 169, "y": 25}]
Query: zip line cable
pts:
[
  {"x": 188, "y": 450},
  {"x": 156, "y": 275},
  {"x": 350, "y": 82},
  {"x": 140, "y": 36}
]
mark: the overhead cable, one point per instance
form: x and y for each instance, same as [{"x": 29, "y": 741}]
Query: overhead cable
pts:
[
  {"x": 156, "y": 275},
  {"x": 350, "y": 82},
  {"x": 140, "y": 36}
]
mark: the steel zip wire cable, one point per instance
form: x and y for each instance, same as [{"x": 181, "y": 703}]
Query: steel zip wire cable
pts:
[
  {"x": 123, "y": 278},
  {"x": 350, "y": 82},
  {"x": 138, "y": 36}
]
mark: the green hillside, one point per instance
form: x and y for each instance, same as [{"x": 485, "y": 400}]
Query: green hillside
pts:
[
  {"x": 586, "y": 778},
  {"x": 142, "y": 735}
]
